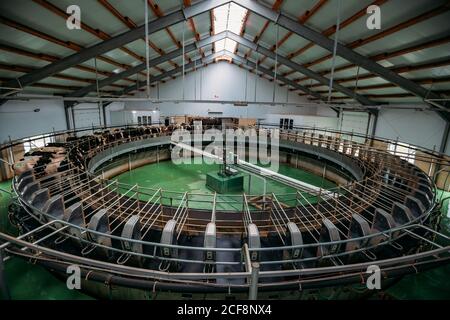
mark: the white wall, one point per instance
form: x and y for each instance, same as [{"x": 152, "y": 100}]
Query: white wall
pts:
[
  {"x": 422, "y": 128},
  {"x": 305, "y": 120},
  {"x": 87, "y": 115},
  {"x": 224, "y": 81},
  {"x": 18, "y": 120},
  {"x": 447, "y": 147}
]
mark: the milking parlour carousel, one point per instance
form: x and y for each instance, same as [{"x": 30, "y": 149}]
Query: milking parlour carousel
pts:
[{"x": 220, "y": 226}]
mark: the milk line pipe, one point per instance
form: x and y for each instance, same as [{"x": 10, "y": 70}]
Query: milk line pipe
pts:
[
  {"x": 390, "y": 231},
  {"x": 296, "y": 283},
  {"x": 66, "y": 182},
  {"x": 145, "y": 255},
  {"x": 83, "y": 183},
  {"x": 370, "y": 204},
  {"x": 308, "y": 229},
  {"x": 131, "y": 213},
  {"x": 393, "y": 188},
  {"x": 37, "y": 229},
  {"x": 92, "y": 194},
  {"x": 96, "y": 201},
  {"x": 109, "y": 206},
  {"x": 122, "y": 211},
  {"x": 298, "y": 128},
  {"x": 280, "y": 223},
  {"x": 302, "y": 259},
  {"x": 312, "y": 225},
  {"x": 159, "y": 212},
  {"x": 364, "y": 146},
  {"x": 57, "y": 176},
  {"x": 193, "y": 281}
]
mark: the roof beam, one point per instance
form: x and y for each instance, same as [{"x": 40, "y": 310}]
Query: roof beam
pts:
[
  {"x": 400, "y": 69},
  {"x": 212, "y": 57},
  {"x": 115, "y": 42},
  {"x": 158, "y": 12},
  {"x": 95, "y": 32},
  {"x": 410, "y": 22},
  {"x": 252, "y": 65},
  {"x": 266, "y": 52},
  {"x": 174, "y": 71},
  {"x": 341, "y": 50},
  {"x": 50, "y": 58},
  {"x": 26, "y": 69},
  {"x": 208, "y": 41},
  {"x": 302, "y": 19},
  {"x": 131, "y": 25},
  {"x": 187, "y": 3},
  {"x": 391, "y": 85},
  {"x": 275, "y": 7},
  {"x": 154, "y": 62},
  {"x": 331, "y": 30},
  {"x": 242, "y": 41},
  {"x": 396, "y": 53}
]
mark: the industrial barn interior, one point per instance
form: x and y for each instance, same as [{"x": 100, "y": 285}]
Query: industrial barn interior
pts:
[{"x": 216, "y": 149}]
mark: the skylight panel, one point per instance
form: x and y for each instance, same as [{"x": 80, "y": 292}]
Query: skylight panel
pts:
[{"x": 229, "y": 17}]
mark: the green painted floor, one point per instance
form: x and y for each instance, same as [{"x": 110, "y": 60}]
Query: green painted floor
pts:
[
  {"x": 429, "y": 285},
  {"x": 192, "y": 177},
  {"x": 27, "y": 281}
]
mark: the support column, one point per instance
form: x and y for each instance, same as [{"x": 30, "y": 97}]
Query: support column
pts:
[
  {"x": 444, "y": 141},
  {"x": 253, "y": 292},
  {"x": 66, "y": 113},
  {"x": 3, "y": 285}
]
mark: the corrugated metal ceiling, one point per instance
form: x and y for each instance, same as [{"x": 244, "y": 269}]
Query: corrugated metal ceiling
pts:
[{"x": 34, "y": 33}]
